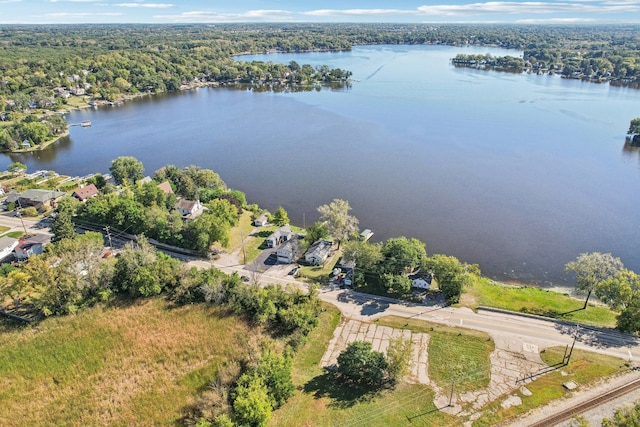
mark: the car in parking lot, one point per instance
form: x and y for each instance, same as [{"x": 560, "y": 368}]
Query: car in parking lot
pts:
[
  {"x": 294, "y": 271},
  {"x": 245, "y": 278}
]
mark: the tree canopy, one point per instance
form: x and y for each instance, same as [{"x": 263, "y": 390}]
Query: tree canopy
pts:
[
  {"x": 126, "y": 169},
  {"x": 337, "y": 219}
]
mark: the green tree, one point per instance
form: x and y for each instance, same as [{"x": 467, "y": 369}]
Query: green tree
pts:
[
  {"x": 126, "y": 169},
  {"x": 450, "y": 274},
  {"x": 396, "y": 283},
  {"x": 592, "y": 269},
  {"x": 17, "y": 167},
  {"x": 280, "y": 217},
  {"x": 619, "y": 290},
  {"x": 402, "y": 255},
  {"x": 315, "y": 232},
  {"x": 634, "y": 126},
  {"x": 62, "y": 225},
  {"x": 275, "y": 370},
  {"x": 627, "y": 416},
  {"x": 339, "y": 223},
  {"x": 358, "y": 364},
  {"x": 16, "y": 286},
  {"x": 251, "y": 402},
  {"x": 365, "y": 255}
]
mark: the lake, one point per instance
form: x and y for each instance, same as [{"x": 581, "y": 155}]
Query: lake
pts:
[{"x": 519, "y": 173}]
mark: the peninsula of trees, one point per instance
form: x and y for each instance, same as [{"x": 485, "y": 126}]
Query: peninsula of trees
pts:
[{"x": 48, "y": 68}]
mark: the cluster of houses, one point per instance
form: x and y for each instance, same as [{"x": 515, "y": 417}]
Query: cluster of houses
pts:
[{"x": 289, "y": 249}]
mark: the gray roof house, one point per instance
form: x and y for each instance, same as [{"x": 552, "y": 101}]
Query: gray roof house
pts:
[
  {"x": 318, "y": 252},
  {"x": 281, "y": 235},
  {"x": 288, "y": 252}
]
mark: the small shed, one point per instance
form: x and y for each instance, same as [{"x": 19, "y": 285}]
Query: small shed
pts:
[
  {"x": 261, "y": 221},
  {"x": 421, "y": 281}
]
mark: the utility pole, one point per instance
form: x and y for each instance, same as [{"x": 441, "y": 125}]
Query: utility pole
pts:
[
  {"x": 108, "y": 236},
  {"x": 244, "y": 253},
  {"x": 20, "y": 216},
  {"x": 304, "y": 225}
]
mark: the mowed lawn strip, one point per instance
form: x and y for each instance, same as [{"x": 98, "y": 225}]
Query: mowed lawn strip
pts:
[
  {"x": 585, "y": 368},
  {"x": 526, "y": 299},
  {"x": 141, "y": 364}
]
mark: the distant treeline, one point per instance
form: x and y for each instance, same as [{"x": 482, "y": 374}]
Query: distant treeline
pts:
[{"x": 44, "y": 65}]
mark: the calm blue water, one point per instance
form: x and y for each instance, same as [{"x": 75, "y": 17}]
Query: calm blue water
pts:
[{"x": 519, "y": 173}]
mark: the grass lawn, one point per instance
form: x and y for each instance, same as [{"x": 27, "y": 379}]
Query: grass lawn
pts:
[
  {"x": 13, "y": 234},
  {"x": 4, "y": 229},
  {"x": 585, "y": 368},
  {"x": 463, "y": 353},
  {"x": 139, "y": 364},
  {"x": 320, "y": 402},
  {"x": 536, "y": 301}
]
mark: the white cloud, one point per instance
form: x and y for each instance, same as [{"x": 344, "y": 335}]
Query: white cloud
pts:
[
  {"x": 73, "y": 1},
  {"x": 358, "y": 12},
  {"x": 556, "y": 21},
  {"x": 208, "y": 16},
  {"x": 492, "y": 7},
  {"x": 146, "y": 5},
  {"x": 80, "y": 14}
]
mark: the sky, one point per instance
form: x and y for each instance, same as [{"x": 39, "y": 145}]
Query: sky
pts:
[{"x": 279, "y": 11}]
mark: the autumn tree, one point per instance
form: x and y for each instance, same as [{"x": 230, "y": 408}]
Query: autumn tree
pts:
[{"x": 339, "y": 223}]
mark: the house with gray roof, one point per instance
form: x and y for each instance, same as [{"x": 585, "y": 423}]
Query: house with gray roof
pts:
[{"x": 318, "y": 252}]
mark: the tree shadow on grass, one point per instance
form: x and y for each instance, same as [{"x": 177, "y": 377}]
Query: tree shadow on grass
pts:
[{"x": 343, "y": 395}]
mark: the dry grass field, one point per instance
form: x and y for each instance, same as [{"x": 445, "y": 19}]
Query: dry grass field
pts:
[{"x": 140, "y": 364}]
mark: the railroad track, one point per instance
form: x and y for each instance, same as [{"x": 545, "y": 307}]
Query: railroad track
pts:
[{"x": 589, "y": 404}]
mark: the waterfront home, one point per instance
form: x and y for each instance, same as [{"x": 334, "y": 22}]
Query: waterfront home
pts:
[
  {"x": 279, "y": 236},
  {"x": 165, "y": 187},
  {"x": 261, "y": 221},
  {"x": 85, "y": 193},
  {"x": 30, "y": 245},
  {"x": 7, "y": 245},
  {"x": 189, "y": 209},
  {"x": 287, "y": 253},
  {"x": 40, "y": 199},
  {"x": 421, "y": 281},
  {"x": 318, "y": 252}
]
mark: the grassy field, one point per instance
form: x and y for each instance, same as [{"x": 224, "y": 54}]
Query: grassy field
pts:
[
  {"x": 585, "y": 368},
  {"x": 135, "y": 365},
  {"x": 536, "y": 301}
]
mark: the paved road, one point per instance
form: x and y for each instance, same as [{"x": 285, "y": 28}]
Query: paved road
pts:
[
  {"x": 516, "y": 332},
  {"x": 32, "y": 227}
]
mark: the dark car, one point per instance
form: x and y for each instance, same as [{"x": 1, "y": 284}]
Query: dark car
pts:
[
  {"x": 294, "y": 271},
  {"x": 245, "y": 278}
]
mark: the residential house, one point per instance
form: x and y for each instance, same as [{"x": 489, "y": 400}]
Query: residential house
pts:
[
  {"x": 40, "y": 199},
  {"x": 279, "y": 236},
  {"x": 7, "y": 245},
  {"x": 189, "y": 209},
  {"x": 288, "y": 252},
  {"x": 261, "y": 221},
  {"x": 421, "y": 281},
  {"x": 318, "y": 252},
  {"x": 30, "y": 245},
  {"x": 165, "y": 187},
  {"x": 85, "y": 193}
]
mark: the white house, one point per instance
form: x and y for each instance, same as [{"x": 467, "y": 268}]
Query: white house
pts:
[
  {"x": 318, "y": 252},
  {"x": 7, "y": 245},
  {"x": 189, "y": 209},
  {"x": 421, "y": 281},
  {"x": 261, "y": 221},
  {"x": 281, "y": 235},
  {"x": 32, "y": 245},
  {"x": 288, "y": 252}
]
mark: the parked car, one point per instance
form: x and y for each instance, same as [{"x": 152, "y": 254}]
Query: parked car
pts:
[
  {"x": 245, "y": 278},
  {"x": 294, "y": 271}
]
